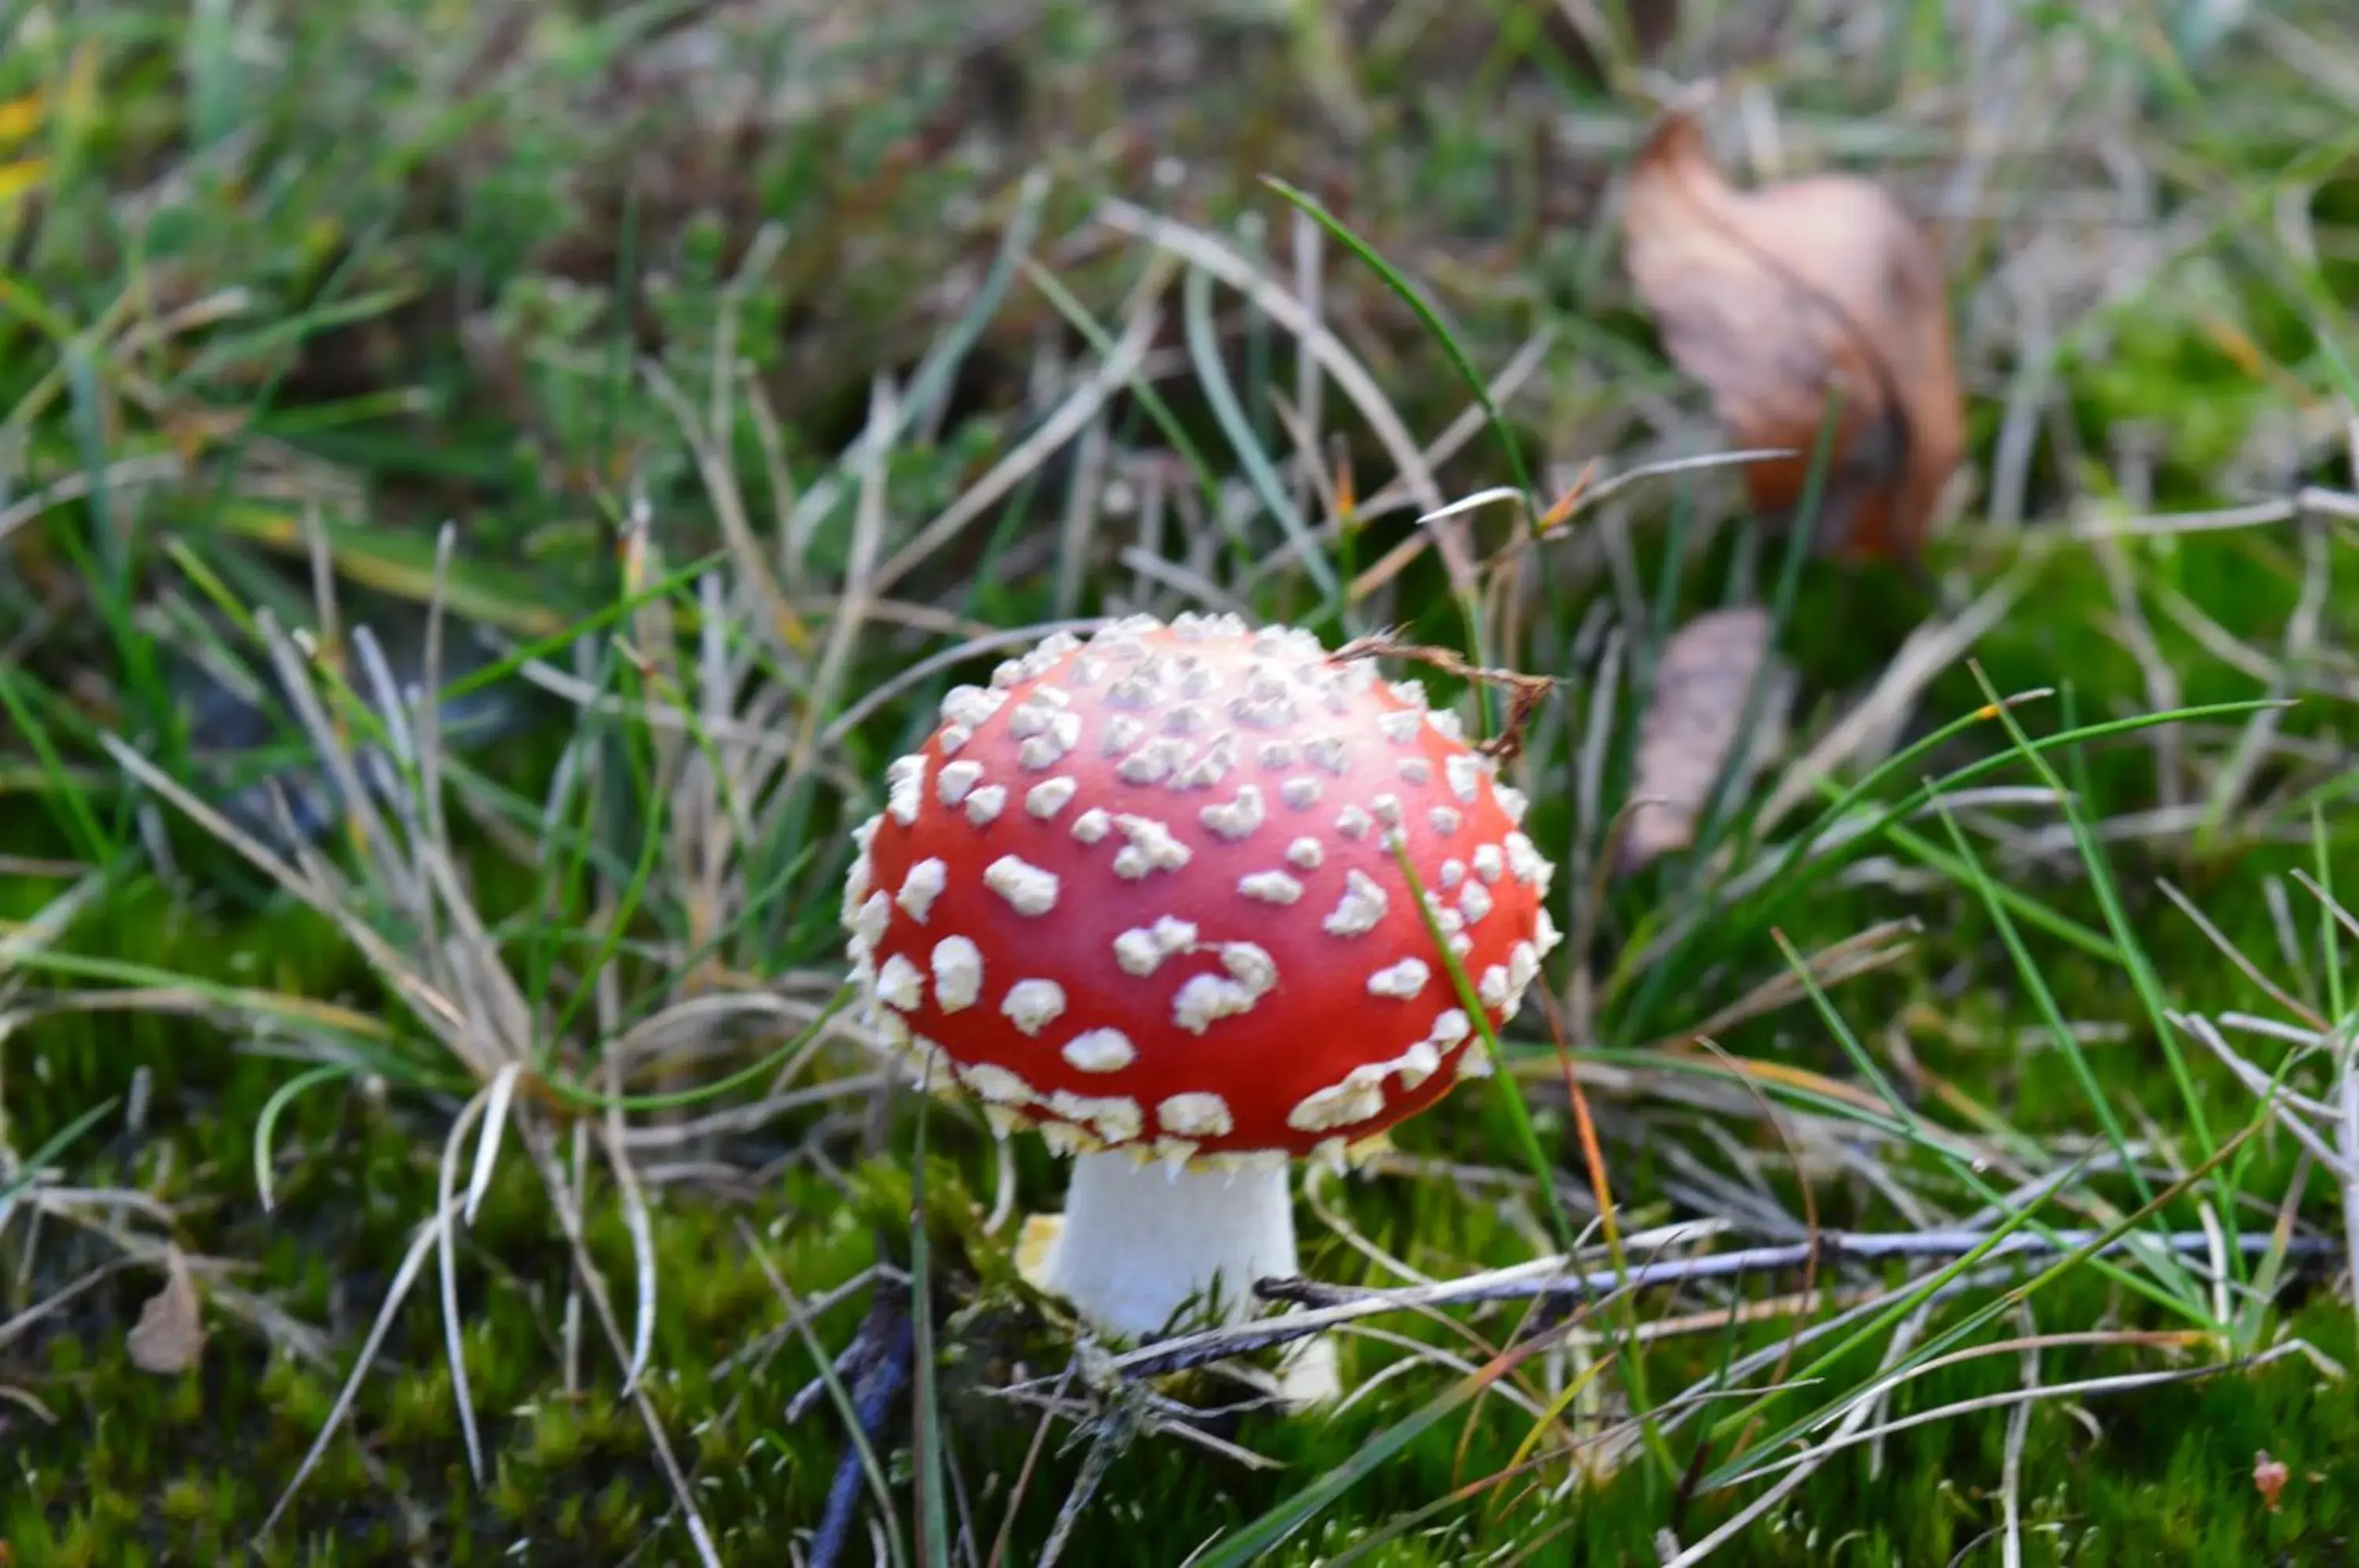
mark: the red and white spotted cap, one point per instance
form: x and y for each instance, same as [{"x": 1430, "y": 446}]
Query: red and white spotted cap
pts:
[{"x": 1141, "y": 893}]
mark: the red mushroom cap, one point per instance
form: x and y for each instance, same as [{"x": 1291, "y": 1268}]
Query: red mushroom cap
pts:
[{"x": 1142, "y": 891}]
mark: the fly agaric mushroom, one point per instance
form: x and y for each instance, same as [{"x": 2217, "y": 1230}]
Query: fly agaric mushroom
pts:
[{"x": 1141, "y": 894}]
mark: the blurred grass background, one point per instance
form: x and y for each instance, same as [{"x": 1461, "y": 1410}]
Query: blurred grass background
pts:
[{"x": 690, "y": 392}]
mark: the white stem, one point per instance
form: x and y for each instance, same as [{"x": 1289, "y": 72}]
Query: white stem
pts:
[{"x": 1139, "y": 1240}]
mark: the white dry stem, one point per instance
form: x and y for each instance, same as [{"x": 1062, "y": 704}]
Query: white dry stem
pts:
[
  {"x": 412, "y": 1263},
  {"x": 447, "y": 1267},
  {"x": 2018, "y": 1431},
  {"x": 499, "y": 1094},
  {"x": 1554, "y": 1279}
]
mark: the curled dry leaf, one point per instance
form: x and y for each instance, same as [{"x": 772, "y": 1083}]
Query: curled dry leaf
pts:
[
  {"x": 1774, "y": 299},
  {"x": 1690, "y": 730},
  {"x": 170, "y": 1332}
]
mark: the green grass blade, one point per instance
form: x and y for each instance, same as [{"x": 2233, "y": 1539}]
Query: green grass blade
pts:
[
  {"x": 1204, "y": 346},
  {"x": 58, "y": 1143},
  {"x": 1273, "y": 1528},
  {"x": 1414, "y": 297}
]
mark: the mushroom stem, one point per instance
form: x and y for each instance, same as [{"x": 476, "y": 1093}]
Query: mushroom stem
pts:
[{"x": 1139, "y": 1239}]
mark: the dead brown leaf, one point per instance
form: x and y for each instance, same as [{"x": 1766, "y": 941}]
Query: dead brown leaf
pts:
[
  {"x": 1775, "y": 298},
  {"x": 1690, "y": 729},
  {"x": 170, "y": 1332}
]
